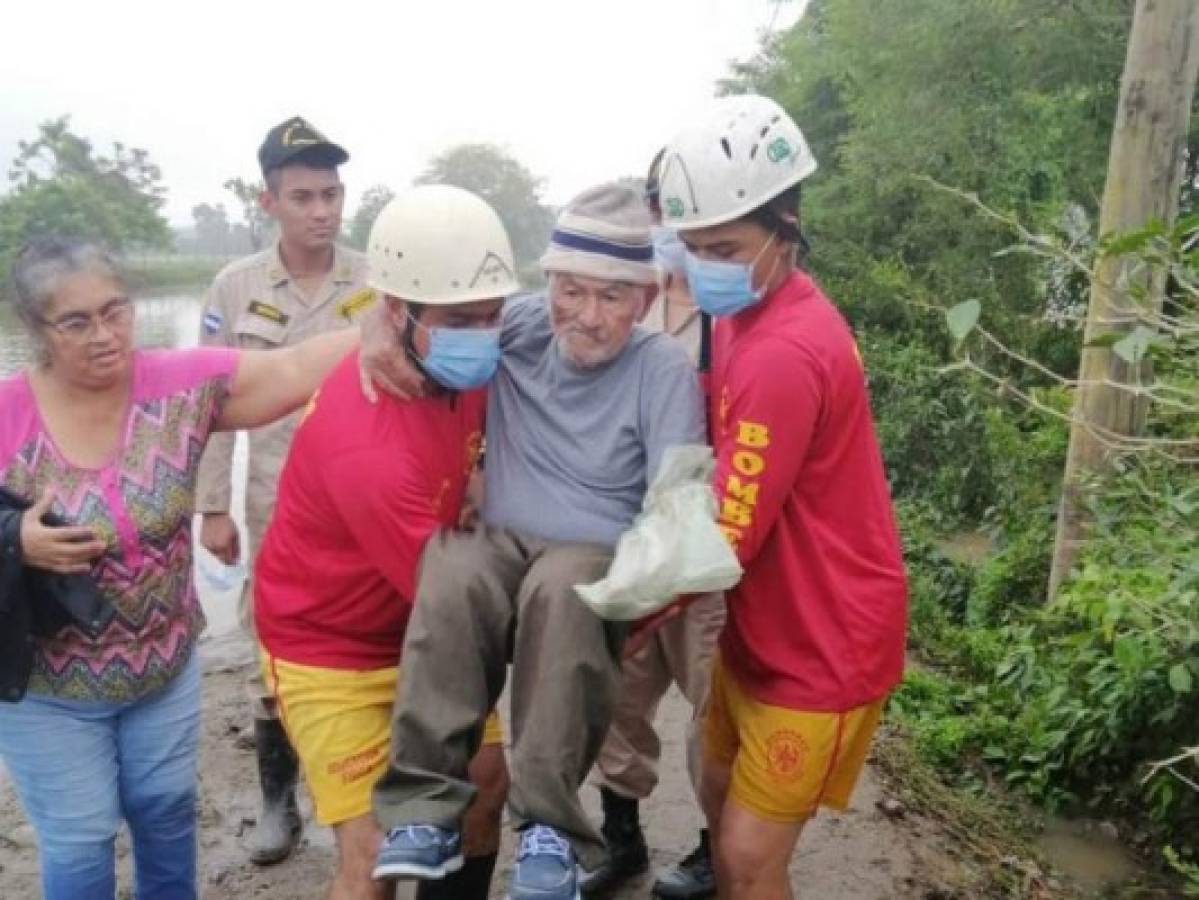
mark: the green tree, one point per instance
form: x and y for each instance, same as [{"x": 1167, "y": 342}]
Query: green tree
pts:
[
  {"x": 60, "y": 184},
  {"x": 373, "y": 201},
  {"x": 1012, "y": 100},
  {"x": 512, "y": 190},
  {"x": 1143, "y": 182}
]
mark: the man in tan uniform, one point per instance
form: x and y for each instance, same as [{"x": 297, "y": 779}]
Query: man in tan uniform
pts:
[
  {"x": 303, "y": 285},
  {"x": 679, "y": 652}
]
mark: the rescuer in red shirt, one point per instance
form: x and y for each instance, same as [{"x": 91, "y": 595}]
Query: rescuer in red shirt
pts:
[
  {"x": 815, "y": 634},
  {"x": 364, "y": 487}
]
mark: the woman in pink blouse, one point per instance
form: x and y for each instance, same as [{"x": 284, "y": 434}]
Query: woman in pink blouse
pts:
[{"x": 109, "y": 438}]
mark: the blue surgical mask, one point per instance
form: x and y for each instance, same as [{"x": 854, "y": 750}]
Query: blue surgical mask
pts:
[
  {"x": 461, "y": 358},
  {"x": 724, "y": 288},
  {"x": 669, "y": 252}
]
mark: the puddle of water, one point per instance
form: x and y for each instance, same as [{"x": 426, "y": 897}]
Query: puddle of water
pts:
[{"x": 1079, "y": 850}]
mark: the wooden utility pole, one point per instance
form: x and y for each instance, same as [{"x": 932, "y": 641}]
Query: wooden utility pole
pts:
[{"x": 1143, "y": 180}]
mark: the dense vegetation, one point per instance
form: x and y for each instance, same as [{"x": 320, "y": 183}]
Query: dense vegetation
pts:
[{"x": 1069, "y": 703}]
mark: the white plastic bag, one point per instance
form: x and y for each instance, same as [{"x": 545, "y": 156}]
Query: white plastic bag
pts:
[
  {"x": 673, "y": 547},
  {"x": 216, "y": 576}
]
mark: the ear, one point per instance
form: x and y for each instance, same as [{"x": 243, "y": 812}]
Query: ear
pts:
[
  {"x": 266, "y": 202},
  {"x": 397, "y": 310},
  {"x": 780, "y": 266},
  {"x": 786, "y": 251},
  {"x": 651, "y": 293}
]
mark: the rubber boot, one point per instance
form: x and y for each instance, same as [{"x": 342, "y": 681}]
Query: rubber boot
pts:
[
  {"x": 471, "y": 882},
  {"x": 279, "y": 826},
  {"x": 693, "y": 877},
  {"x": 627, "y": 854}
]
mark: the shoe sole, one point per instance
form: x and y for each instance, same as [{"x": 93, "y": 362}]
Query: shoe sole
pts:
[{"x": 412, "y": 871}]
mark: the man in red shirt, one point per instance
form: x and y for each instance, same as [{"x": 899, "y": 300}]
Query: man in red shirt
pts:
[
  {"x": 364, "y": 487},
  {"x": 815, "y": 633}
]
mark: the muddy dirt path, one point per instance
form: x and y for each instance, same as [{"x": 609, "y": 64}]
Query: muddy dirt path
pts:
[{"x": 862, "y": 854}]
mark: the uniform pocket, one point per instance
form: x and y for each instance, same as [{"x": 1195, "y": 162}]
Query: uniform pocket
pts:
[{"x": 261, "y": 327}]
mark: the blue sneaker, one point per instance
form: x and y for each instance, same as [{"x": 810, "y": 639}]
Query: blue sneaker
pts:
[
  {"x": 545, "y": 867},
  {"x": 418, "y": 851}
]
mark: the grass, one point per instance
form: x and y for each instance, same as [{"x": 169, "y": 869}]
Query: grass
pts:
[
  {"x": 172, "y": 271},
  {"x": 994, "y": 839}
]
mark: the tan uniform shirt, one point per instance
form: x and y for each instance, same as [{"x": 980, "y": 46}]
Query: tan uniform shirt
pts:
[
  {"x": 684, "y": 322},
  {"x": 679, "y": 652},
  {"x": 254, "y": 305}
]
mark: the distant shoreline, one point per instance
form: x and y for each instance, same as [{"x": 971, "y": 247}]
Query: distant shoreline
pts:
[
  {"x": 148, "y": 274},
  {"x": 174, "y": 271}
]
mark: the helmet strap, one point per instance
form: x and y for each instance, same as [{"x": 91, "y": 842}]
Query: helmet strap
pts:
[
  {"x": 765, "y": 288},
  {"x": 408, "y": 339}
]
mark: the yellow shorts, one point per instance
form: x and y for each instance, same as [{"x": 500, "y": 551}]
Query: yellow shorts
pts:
[
  {"x": 785, "y": 762},
  {"x": 339, "y": 722}
]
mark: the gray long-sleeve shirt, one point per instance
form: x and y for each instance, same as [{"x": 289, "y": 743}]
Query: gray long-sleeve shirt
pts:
[{"x": 571, "y": 451}]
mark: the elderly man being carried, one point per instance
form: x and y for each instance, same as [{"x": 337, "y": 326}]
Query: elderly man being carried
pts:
[{"x": 579, "y": 414}]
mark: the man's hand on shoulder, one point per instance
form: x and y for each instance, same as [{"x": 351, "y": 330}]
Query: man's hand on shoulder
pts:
[{"x": 382, "y": 361}]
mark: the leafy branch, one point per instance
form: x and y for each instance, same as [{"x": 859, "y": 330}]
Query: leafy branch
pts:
[{"x": 1136, "y": 334}]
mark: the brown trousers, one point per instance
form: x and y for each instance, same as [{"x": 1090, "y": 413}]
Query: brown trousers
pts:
[
  {"x": 680, "y": 652},
  {"x": 484, "y": 599}
]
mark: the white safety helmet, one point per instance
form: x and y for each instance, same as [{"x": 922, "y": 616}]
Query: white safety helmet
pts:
[
  {"x": 442, "y": 246},
  {"x": 744, "y": 152}
]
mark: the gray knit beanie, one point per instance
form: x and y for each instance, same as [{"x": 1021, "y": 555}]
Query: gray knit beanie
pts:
[{"x": 604, "y": 233}]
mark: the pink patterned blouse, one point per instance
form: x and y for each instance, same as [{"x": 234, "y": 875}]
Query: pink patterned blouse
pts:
[{"x": 140, "y": 504}]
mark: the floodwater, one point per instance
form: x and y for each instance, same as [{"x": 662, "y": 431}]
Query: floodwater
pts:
[
  {"x": 162, "y": 320},
  {"x": 1082, "y": 851}
]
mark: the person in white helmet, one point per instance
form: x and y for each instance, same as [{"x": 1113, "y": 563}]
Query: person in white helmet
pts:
[
  {"x": 363, "y": 489},
  {"x": 583, "y": 407},
  {"x": 815, "y": 633}
]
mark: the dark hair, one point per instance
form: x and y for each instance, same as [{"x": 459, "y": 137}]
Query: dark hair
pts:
[
  {"x": 313, "y": 158},
  {"x": 654, "y": 185},
  {"x": 780, "y": 215},
  {"x": 653, "y": 180}
]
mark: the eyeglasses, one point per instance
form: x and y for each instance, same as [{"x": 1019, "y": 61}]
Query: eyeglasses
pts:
[{"x": 81, "y": 326}]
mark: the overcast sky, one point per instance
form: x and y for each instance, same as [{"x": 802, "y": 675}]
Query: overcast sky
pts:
[{"x": 578, "y": 92}]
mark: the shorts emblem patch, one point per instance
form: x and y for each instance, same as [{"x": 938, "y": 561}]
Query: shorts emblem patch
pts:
[{"x": 786, "y": 753}]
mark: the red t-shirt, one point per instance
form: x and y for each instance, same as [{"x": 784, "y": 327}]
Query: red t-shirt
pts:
[
  {"x": 819, "y": 618},
  {"x": 363, "y": 488}
]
